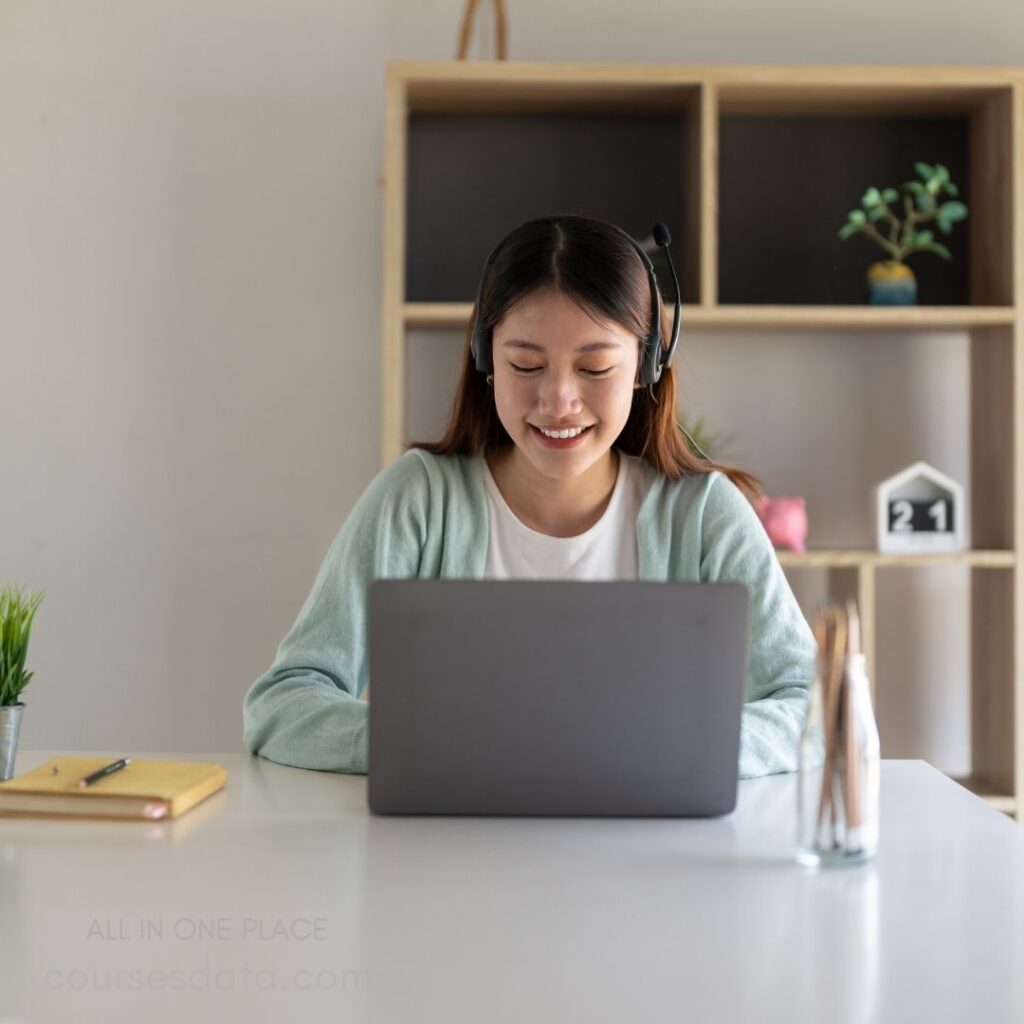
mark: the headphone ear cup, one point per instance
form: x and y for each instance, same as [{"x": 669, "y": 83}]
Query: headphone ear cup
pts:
[
  {"x": 649, "y": 369},
  {"x": 645, "y": 360},
  {"x": 482, "y": 352}
]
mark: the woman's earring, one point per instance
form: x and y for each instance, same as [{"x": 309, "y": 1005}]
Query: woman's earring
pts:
[{"x": 490, "y": 378}]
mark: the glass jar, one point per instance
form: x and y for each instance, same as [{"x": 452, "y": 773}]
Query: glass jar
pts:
[{"x": 838, "y": 777}]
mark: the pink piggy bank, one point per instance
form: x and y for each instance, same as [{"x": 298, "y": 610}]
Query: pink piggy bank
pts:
[{"x": 785, "y": 521}]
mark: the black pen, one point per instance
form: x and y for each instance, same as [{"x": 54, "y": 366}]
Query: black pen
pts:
[{"x": 100, "y": 773}]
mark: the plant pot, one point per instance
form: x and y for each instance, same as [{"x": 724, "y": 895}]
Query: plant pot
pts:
[
  {"x": 10, "y": 726},
  {"x": 891, "y": 284}
]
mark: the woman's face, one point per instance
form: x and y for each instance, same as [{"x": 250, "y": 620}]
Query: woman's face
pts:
[{"x": 555, "y": 368}]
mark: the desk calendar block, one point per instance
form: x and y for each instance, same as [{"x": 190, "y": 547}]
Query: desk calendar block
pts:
[{"x": 920, "y": 510}]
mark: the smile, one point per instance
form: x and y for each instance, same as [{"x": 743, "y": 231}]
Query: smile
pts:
[
  {"x": 561, "y": 439},
  {"x": 567, "y": 432}
]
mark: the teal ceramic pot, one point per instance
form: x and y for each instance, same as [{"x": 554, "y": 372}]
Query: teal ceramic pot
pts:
[{"x": 891, "y": 284}]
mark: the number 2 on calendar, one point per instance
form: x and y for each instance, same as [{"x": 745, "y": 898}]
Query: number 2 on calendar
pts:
[{"x": 903, "y": 515}]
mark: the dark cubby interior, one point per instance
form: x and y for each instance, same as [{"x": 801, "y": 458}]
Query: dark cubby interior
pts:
[
  {"x": 473, "y": 178},
  {"x": 786, "y": 185}
]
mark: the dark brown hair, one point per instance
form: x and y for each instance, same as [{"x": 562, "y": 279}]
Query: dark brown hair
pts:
[{"x": 590, "y": 262}]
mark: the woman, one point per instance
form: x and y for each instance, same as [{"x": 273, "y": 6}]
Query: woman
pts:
[{"x": 562, "y": 459}]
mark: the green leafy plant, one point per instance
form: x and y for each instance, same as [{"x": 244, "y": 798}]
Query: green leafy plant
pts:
[
  {"x": 922, "y": 204},
  {"x": 712, "y": 442},
  {"x": 16, "y": 615}
]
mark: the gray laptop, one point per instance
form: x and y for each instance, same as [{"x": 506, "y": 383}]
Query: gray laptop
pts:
[{"x": 536, "y": 697}]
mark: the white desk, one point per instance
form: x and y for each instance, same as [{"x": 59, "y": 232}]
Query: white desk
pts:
[{"x": 519, "y": 920}]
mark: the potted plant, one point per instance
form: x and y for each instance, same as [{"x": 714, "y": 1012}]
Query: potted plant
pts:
[
  {"x": 701, "y": 440},
  {"x": 891, "y": 282},
  {"x": 16, "y": 615}
]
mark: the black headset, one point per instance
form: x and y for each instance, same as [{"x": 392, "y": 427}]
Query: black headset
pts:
[{"x": 653, "y": 355}]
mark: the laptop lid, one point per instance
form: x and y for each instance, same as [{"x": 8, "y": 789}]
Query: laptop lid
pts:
[{"x": 545, "y": 697}]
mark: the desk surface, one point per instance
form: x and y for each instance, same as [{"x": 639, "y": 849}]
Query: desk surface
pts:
[{"x": 281, "y": 898}]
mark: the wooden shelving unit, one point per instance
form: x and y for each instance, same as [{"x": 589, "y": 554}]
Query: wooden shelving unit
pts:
[{"x": 461, "y": 169}]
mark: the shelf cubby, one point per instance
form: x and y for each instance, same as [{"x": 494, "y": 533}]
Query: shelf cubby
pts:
[
  {"x": 629, "y": 159},
  {"x": 792, "y": 164}
]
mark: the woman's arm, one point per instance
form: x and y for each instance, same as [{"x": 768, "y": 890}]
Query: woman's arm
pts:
[
  {"x": 782, "y": 649},
  {"x": 304, "y": 710}
]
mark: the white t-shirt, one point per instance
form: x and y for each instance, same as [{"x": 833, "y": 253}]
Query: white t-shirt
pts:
[{"x": 607, "y": 551}]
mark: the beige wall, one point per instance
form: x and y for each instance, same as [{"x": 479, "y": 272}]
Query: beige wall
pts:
[{"x": 189, "y": 282}]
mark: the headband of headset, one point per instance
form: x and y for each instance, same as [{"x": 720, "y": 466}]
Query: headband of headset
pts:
[{"x": 653, "y": 355}]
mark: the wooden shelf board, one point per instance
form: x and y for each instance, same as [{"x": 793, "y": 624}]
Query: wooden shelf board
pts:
[
  {"x": 441, "y": 315},
  {"x": 854, "y": 77},
  {"x": 979, "y": 787},
  {"x": 437, "y": 314},
  {"x": 844, "y": 90},
  {"x": 852, "y": 317},
  {"x": 853, "y": 558}
]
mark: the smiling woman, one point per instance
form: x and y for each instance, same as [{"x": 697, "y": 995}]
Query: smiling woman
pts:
[
  {"x": 560, "y": 287},
  {"x": 563, "y": 459}
]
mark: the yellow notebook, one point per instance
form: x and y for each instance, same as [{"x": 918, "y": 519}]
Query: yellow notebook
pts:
[{"x": 144, "y": 790}]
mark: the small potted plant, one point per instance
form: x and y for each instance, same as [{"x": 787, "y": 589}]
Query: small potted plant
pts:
[
  {"x": 891, "y": 282},
  {"x": 16, "y": 615},
  {"x": 701, "y": 440}
]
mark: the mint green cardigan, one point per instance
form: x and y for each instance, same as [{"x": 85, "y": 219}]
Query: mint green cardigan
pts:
[{"x": 426, "y": 516}]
